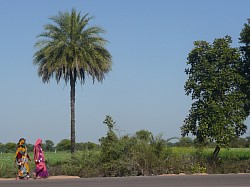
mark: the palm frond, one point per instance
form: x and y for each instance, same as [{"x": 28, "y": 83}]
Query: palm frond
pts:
[{"x": 68, "y": 47}]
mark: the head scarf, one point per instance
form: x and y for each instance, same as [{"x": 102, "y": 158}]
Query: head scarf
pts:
[
  {"x": 21, "y": 141},
  {"x": 38, "y": 141}
]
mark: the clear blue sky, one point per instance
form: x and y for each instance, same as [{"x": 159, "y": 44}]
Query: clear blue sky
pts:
[{"x": 149, "y": 41}]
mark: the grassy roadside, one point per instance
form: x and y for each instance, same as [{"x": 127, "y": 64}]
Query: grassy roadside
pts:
[{"x": 173, "y": 160}]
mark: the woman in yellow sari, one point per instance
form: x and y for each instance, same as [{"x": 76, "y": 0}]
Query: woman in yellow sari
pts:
[{"x": 22, "y": 158}]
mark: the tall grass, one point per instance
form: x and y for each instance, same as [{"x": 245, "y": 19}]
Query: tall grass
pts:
[{"x": 172, "y": 160}]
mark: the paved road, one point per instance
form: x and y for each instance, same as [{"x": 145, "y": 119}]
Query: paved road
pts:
[{"x": 230, "y": 180}]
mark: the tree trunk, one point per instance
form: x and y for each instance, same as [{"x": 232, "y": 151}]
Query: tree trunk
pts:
[
  {"x": 72, "y": 108},
  {"x": 216, "y": 151}
]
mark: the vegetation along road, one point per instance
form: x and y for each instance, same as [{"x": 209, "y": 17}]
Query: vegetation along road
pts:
[{"x": 229, "y": 180}]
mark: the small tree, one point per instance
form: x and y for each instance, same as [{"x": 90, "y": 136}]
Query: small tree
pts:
[
  {"x": 63, "y": 145},
  {"x": 108, "y": 143},
  {"x": 213, "y": 81},
  {"x": 49, "y": 145}
]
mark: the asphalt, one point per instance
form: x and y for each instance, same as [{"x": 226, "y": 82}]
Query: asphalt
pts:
[{"x": 228, "y": 180}]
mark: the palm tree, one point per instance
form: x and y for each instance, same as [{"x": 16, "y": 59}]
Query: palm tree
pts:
[{"x": 69, "y": 49}]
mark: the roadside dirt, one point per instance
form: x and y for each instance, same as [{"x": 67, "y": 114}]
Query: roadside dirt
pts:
[{"x": 52, "y": 177}]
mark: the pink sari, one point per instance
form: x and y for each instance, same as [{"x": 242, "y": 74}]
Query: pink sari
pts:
[{"x": 41, "y": 170}]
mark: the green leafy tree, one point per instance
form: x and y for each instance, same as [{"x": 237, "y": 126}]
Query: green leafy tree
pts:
[
  {"x": 217, "y": 112},
  {"x": 64, "y": 145},
  {"x": 49, "y": 145},
  {"x": 245, "y": 49},
  {"x": 185, "y": 142},
  {"x": 144, "y": 135},
  {"x": 10, "y": 147},
  {"x": 70, "y": 50}
]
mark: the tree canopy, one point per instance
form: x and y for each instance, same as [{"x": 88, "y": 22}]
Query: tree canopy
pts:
[
  {"x": 245, "y": 70},
  {"x": 214, "y": 83}
]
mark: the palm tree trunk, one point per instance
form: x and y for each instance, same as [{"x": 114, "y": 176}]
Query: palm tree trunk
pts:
[{"x": 72, "y": 108}]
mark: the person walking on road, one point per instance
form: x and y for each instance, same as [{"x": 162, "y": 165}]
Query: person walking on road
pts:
[
  {"x": 22, "y": 159},
  {"x": 41, "y": 170}
]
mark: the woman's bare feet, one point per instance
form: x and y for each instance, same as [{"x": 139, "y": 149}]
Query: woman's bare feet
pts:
[{"x": 34, "y": 176}]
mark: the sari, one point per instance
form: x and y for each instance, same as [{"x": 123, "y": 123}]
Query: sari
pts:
[
  {"x": 41, "y": 170},
  {"x": 22, "y": 160}
]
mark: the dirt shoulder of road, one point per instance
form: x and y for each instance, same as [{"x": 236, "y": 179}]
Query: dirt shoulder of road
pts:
[
  {"x": 51, "y": 177},
  {"x": 76, "y": 177}
]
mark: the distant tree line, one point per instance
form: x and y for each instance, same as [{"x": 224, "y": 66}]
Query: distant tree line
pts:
[
  {"x": 49, "y": 146},
  {"x": 111, "y": 139}
]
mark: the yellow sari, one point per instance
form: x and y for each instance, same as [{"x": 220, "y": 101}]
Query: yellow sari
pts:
[{"x": 22, "y": 160}]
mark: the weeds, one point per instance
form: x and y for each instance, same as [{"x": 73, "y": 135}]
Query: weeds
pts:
[{"x": 139, "y": 160}]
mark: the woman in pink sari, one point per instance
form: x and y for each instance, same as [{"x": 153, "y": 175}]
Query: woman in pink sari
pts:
[{"x": 40, "y": 171}]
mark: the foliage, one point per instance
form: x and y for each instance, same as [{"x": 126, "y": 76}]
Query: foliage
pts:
[
  {"x": 30, "y": 147},
  {"x": 185, "y": 142},
  {"x": 144, "y": 157},
  {"x": 109, "y": 149},
  {"x": 247, "y": 143},
  {"x": 238, "y": 142},
  {"x": 217, "y": 112},
  {"x": 138, "y": 158},
  {"x": 63, "y": 145},
  {"x": 198, "y": 169},
  {"x": 49, "y": 145},
  {"x": 89, "y": 163},
  {"x": 10, "y": 147},
  {"x": 245, "y": 49},
  {"x": 158, "y": 144},
  {"x": 205, "y": 143},
  {"x": 86, "y": 146},
  {"x": 68, "y": 49},
  {"x": 143, "y": 135}
]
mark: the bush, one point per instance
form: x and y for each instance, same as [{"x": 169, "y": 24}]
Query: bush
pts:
[{"x": 137, "y": 158}]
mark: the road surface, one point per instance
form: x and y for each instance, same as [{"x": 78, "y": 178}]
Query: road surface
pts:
[{"x": 229, "y": 180}]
